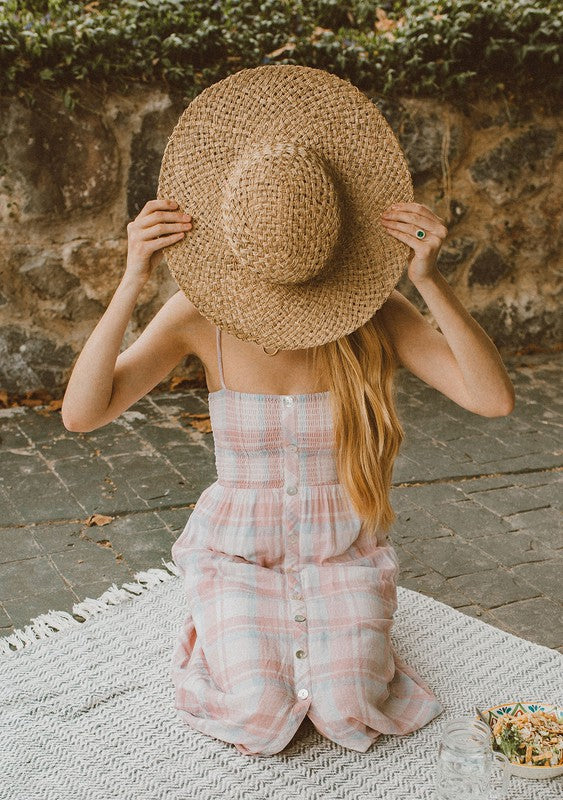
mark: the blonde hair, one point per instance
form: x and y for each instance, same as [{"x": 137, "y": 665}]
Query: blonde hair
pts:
[{"x": 359, "y": 370}]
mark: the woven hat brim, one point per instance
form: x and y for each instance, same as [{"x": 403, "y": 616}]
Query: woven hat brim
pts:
[{"x": 321, "y": 111}]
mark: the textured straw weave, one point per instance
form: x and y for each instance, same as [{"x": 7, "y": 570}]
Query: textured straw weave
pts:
[
  {"x": 285, "y": 170},
  {"x": 88, "y": 714}
]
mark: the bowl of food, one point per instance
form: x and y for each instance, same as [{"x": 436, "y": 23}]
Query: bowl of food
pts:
[{"x": 530, "y": 734}]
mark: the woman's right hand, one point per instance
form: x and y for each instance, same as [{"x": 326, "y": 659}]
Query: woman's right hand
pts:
[{"x": 158, "y": 225}]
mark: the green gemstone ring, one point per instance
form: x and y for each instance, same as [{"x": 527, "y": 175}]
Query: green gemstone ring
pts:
[{"x": 420, "y": 233}]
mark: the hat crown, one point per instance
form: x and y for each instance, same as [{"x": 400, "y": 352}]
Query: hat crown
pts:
[
  {"x": 281, "y": 213},
  {"x": 286, "y": 170}
]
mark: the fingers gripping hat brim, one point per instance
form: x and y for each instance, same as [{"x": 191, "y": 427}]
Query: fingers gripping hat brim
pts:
[{"x": 316, "y": 112}]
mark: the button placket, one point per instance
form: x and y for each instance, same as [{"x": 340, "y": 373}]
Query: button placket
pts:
[
  {"x": 301, "y": 669},
  {"x": 291, "y": 482},
  {"x": 291, "y": 465},
  {"x": 292, "y": 520}
]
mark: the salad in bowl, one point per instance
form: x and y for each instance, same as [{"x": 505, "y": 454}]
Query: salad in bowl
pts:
[{"x": 530, "y": 734}]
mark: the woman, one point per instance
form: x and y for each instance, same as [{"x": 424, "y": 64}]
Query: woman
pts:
[{"x": 290, "y": 577}]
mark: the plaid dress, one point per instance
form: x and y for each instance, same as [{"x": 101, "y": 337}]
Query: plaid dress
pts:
[{"x": 291, "y": 606}]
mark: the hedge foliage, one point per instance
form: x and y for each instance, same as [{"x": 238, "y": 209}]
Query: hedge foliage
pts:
[{"x": 453, "y": 49}]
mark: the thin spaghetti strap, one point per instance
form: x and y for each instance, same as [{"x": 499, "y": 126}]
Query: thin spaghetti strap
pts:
[{"x": 220, "y": 357}]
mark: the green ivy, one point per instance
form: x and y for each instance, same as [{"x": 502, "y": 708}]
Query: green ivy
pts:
[{"x": 453, "y": 49}]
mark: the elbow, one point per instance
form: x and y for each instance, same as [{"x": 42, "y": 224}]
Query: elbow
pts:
[
  {"x": 510, "y": 402},
  {"x": 73, "y": 425},
  {"x": 504, "y": 408},
  {"x": 76, "y": 426},
  {"x": 75, "y": 421},
  {"x": 67, "y": 421},
  {"x": 501, "y": 412}
]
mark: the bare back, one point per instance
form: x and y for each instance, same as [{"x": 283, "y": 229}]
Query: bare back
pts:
[
  {"x": 246, "y": 368},
  {"x": 179, "y": 330}
]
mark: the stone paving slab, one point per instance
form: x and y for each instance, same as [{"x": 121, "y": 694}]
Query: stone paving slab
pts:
[{"x": 478, "y": 501}]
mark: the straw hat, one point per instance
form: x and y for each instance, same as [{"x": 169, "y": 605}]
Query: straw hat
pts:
[{"x": 285, "y": 170}]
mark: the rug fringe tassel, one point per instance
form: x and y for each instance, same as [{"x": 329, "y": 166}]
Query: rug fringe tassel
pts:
[{"x": 47, "y": 625}]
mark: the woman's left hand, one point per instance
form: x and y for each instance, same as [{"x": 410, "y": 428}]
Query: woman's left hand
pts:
[{"x": 402, "y": 221}]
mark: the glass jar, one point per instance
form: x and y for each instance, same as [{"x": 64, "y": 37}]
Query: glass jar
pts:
[{"x": 467, "y": 767}]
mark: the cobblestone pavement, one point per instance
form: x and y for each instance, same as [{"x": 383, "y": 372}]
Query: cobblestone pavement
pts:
[{"x": 478, "y": 508}]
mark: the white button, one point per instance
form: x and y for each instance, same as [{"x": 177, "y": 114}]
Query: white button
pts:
[
  {"x": 291, "y": 489},
  {"x": 288, "y": 401},
  {"x": 292, "y": 447},
  {"x": 302, "y": 694},
  {"x": 300, "y": 654},
  {"x": 299, "y": 618}
]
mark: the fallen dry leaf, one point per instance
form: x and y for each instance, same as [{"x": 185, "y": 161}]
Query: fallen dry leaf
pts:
[
  {"x": 37, "y": 397},
  {"x": 176, "y": 381},
  {"x": 200, "y": 422},
  {"x": 536, "y": 348},
  {"x": 31, "y": 402},
  {"x": 97, "y": 519},
  {"x": 288, "y": 47},
  {"x": 53, "y": 405},
  {"x": 318, "y": 32},
  {"x": 196, "y": 382},
  {"x": 385, "y": 24}
]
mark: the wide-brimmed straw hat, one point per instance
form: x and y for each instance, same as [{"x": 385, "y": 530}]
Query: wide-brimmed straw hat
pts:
[{"x": 285, "y": 171}]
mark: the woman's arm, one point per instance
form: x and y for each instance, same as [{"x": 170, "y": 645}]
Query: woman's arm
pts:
[
  {"x": 89, "y": 390},
  {"x": 462, "y": 359}
]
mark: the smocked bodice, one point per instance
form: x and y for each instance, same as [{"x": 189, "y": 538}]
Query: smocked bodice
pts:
[{"x": 272, "y": 440}]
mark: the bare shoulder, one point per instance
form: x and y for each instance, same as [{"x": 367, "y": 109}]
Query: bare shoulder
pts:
[
  {"x": 422, "y": 349},
  {"x": 414, "y": 339},
  {"x": 181, "y": 307},
  {"x": 395, "y": 302},
  {"x": 186, "y": 320},
  {"x": 401, "y": 318}
]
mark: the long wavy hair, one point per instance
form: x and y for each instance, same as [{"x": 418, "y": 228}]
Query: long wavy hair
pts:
[{"x": 359, "y": 370}]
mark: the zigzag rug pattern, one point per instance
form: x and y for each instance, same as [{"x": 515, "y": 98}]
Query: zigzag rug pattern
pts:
[{"x": 86, "y": 708}]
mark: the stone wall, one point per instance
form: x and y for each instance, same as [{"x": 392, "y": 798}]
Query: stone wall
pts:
[{"x": 70, "y": 183}]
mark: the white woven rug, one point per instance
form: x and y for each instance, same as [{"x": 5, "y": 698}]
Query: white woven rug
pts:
[{"x": 87, "y": 712}]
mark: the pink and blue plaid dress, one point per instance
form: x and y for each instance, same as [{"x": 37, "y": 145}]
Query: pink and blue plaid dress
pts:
[{"x": 291, "y": 607}]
